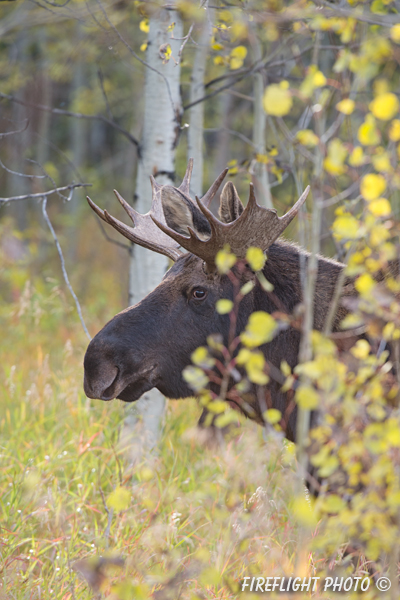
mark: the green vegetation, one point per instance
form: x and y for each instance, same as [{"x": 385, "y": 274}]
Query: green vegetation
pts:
[{"x": 193, "y": 519}]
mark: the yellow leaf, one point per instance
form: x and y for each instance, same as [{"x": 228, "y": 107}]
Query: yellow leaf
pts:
[
  {"x": 307, "y": 137},
  {"x": 372, "y": 186},
  {"x": 364, "y": 284},
  {"x": 272, "y": 416},
  {"x": 380, "y": 207},
  {"x": 394, "y": 131},
  {"x": 385, "y": 106},
  {"x": 224, "y": 306},
  {"x": 235, "y": 63},
  {"x": 144, "y": 26},
  {"x": 332, "y": 504},
  {"x": 237, "y": 57},
  {"x": 217, "y": 406},
  {"x": 334, "y": 162},
  {"x": 217, "y": 46},
  {"x": 395, "y": 33},
  {"x": 166, "y": 52},
  {"x": 346, "y": 106},
  {"x": 256, "y": 258},
  {"x": 195, "y": 377},
  {"x": 119, "y": 499},
  {"x": 319, "y": 79},
  {"x": 262, "y": 158},
  {"x": 307, "y": 397},
  {"x": 255, "y": 364},
  {"x": 202, "y": 358},
  {"x": 313, "y": 79},
  {"x": 143, "y": 47},
  {"x": 225, "y": 260},
  {"x": 368, "y": 134},
  {"x": 247, "y": 287},
  {"x": 346, "y": 227},
  {"x": 239, "y": 52},
  {"x": 277, "y": 100},
  {"x": 361, "y": 349},
  {"x": 330, "y": 465},
  {"x": 357, "y": 157},
  {"x": 238, "y": 30},
  {"x": 381, "y": 161},
  {"x": 304, "y": 513},
  {"x": 260, "y": 329},
  {"x": 219, "y": 61}
]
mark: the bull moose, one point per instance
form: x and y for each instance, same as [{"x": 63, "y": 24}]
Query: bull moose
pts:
[{"x": 149, "y": 345}]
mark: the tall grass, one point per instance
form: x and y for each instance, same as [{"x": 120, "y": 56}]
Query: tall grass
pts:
[{"x": 78, "y": 521}]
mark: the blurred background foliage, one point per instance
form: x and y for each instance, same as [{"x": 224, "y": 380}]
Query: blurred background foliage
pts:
[{"x": 295, "y": 93}]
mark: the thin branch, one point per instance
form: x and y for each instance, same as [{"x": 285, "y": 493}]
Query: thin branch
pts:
[
  {"x": 64, "y": 271},
  {"x": 185, "y": 41},
  {"x": 6, "y": 133},
  {"x": 104, "y": 232},
  {"x": 3, "y": 166},
  {"x": 342, "y": 196},
  {"x": 68, "y": 113},
  {"x": 389, "y": 21},
  {"x": 72, "y": 186},
  {"x": 244, "y": 139},
  {"x": 143, "y": 62}
]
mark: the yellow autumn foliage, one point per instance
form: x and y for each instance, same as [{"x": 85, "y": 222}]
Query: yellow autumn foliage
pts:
[{"x": 277, "y": 100}]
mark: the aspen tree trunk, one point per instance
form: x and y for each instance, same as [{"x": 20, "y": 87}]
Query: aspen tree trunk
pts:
[
  {"x": 161, "y": 122},
  {"x": 196, "y": 116},
  {"x": 263, "y": 192}
]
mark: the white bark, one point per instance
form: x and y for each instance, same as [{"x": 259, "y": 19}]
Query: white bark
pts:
[
  {"x": 260, "y": 173},
  {"x": 196, "y": 115},
  {"x": 162, "y": 106}
]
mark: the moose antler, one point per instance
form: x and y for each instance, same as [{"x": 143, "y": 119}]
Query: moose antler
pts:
[
  {"x": 146, "y": 233},
  {"x": 256, "y": 226}
]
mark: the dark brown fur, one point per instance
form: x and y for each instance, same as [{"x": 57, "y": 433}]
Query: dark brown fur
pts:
[{"x": 149, "y": 345}]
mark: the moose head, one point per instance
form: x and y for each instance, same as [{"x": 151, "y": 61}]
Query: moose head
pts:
[{"x": 148, "y": 345}]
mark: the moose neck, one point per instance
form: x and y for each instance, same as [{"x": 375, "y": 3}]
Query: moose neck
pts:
[{"x": 282, "y": 270}]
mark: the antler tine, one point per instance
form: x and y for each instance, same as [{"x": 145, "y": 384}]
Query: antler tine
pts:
[
  {"x": 256, "y": 226},
  {"x": 99, "y": 212},
  {"x": 286, "y": 219},
  {"x": 209, "y": 195},
  {"x": 185, "y": 185},
  {"x": 145, "y": 233}
]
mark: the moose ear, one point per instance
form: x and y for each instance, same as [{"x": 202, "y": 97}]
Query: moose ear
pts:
[
  {"x": 181, "y": 213},
  {"x": 230, "y": 207}
]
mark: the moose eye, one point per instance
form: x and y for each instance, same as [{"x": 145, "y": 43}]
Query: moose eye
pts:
[{"x": 199, "y": 294}]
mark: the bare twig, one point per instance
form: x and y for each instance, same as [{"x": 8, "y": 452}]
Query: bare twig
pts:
[
  {"x": 64, "y": 271},
  {"x": 70, "y": 187},
  {"x": 68, "y": 113},
  {"x": 383, "y": 21},
  {"x": 143, "y": 62},
  {"x": 29, "y": 176},
  {"x": 185, "y": 41},
  {"x": 241, "y": 136},
  {"x": 104, "y": 232},
  {"x": 342, "y": 196},
  {"x": 6, "y": 133}
]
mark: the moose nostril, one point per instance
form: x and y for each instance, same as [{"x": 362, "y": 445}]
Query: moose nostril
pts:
[
  {"x": 108, "y": 393},
  {"x": 101, "y": 385}
]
